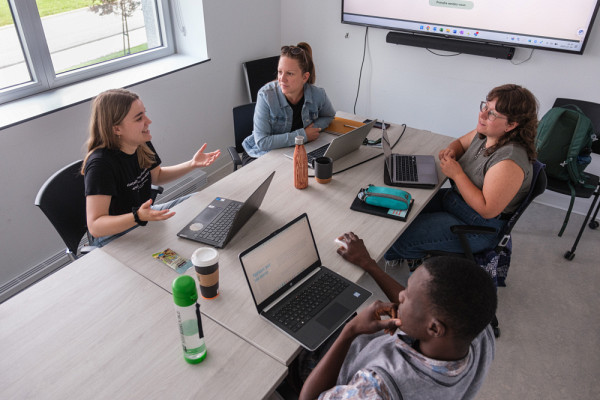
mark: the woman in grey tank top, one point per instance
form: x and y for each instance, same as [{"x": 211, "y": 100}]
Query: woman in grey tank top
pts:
[{"x": 490, "y": 169}]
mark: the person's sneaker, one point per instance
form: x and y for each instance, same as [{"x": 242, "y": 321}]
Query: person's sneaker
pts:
[
  {"x": 414, "y": 264},
  {"x": 391, "y": 264}
]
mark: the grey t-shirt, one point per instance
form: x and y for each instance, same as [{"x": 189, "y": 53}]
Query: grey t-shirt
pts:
[
  {"x": 412, "y": 374},
  {"x": 476, "y": 164}
]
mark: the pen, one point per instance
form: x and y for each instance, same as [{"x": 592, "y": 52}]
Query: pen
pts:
[{"x": 350, "y": 126}]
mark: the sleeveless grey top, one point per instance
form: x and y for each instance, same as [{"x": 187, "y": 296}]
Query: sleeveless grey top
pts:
[{"x": 476, "y": 164}]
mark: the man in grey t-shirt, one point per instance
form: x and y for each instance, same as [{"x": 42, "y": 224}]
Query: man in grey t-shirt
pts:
[{"x": 445, "y": 345}]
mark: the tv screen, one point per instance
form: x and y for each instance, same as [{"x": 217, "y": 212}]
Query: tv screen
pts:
[{"x": 559, "y": 25}]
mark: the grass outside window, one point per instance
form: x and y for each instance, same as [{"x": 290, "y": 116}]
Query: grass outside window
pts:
[{"x": 45, "y": 8}]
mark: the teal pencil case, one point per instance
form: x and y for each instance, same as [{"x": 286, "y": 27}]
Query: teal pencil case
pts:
[{"x": 386, "y": 197}]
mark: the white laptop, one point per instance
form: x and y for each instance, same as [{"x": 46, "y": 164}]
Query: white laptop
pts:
[
  {"x": 335, "y": 147},
  {"x": 418, "y": 171},
  {"x": 292, "y": 290}
]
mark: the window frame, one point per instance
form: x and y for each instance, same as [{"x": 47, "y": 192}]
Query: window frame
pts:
[{"x": 38, "y": 60}]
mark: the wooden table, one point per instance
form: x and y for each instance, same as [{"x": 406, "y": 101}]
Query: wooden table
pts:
[
  {"x": 98, "y": 330},
  {"x": 330, "y": 216}
]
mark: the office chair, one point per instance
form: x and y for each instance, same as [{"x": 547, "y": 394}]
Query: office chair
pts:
[
  {"x": 243, "y": 123},
  {"x": 592, "y": 111},
  {"x": 258, "y": 73},
  {"x": 496, "y": 260},
  {"x": 62, "y": 199}
]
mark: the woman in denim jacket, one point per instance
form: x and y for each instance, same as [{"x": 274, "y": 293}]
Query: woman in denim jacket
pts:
[{"x": 289, "y": 107}]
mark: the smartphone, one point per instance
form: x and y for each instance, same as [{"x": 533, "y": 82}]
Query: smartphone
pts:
[{"x": 377, "y": 124}]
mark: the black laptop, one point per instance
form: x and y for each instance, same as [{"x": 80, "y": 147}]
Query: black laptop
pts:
[
  {"x": 293, "y": 291},
  {"x": 418, "y": 171},
  {"x": 223, "y": 218}
]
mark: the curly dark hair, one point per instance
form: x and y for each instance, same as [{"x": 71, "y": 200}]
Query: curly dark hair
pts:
[
  {"x": 462, "y": 294},
  {"x": 518, "y": 105}
]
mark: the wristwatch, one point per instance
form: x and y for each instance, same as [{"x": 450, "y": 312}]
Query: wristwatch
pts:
[{"x": 136, "y": 217}]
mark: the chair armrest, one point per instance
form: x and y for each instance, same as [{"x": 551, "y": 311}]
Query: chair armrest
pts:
[
  {"x": 235, "y": 157},
  {"x": 155, "y": 191},
  {"x": 87, "y": 249}
]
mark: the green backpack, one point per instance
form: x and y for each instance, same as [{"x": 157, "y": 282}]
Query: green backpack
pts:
[{"x": 564, "y": 143}]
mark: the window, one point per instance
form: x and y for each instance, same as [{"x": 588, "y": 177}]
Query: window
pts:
[{"x": 45, "y": 44}]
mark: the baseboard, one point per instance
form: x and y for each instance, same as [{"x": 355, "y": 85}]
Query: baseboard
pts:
[{"x": 33, "y": 275}]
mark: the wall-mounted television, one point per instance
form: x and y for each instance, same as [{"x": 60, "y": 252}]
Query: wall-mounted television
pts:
[{"x": 559, "y": 25}]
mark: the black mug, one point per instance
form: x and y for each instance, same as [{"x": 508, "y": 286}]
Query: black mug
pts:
[{"x": 323, "y": 167}]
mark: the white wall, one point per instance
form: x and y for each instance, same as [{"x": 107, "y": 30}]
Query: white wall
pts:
[
  {"x": 410, "y": 85},
  {"x": 187, "y": 108}
]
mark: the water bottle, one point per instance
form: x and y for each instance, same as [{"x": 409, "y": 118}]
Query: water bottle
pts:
[
  {"x": 300, "y": 164},
  {"x": 188, "y": 317}
]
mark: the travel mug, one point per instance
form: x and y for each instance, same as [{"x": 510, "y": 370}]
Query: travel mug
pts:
[{"x": 206, "y": 263}]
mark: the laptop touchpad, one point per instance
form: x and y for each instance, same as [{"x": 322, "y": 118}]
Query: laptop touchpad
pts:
[{"x": 332, "y": 315}]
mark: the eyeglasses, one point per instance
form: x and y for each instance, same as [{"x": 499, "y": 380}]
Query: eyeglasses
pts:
[{"x": 491, "y": 114}]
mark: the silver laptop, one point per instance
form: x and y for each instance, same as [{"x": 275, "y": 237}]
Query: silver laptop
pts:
[
  {"x": 418, "y": 171},
  {"x": 293, "y": 291},
  {"x": 337, "y": 148},
  {"x": 223, "y": 218}
]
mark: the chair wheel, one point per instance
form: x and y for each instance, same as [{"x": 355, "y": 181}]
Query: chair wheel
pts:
[
  {"x": 496, "y": 332},
  {"x": 569, "y": 256},
  {"x": 594, "y": 224}
]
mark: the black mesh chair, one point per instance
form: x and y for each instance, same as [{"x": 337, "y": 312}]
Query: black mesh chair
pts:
[
  {"x": 258, "y": 73},
  {"x": 496, "y": 260},
  {"x": 62, "y": 200},
  {"x": 243, "y": 122},
  {"x": 592, "y": 111}
]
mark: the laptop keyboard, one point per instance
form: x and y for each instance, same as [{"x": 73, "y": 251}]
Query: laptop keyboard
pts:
[
  {"x": 316, "y": 153},
  {"x": 309, "y": 301},
  {"x": 218, "y": 229},
  {"x": 406, "y": 168}
]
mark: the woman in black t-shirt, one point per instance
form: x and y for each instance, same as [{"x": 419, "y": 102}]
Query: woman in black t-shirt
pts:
[{"x": 121, "y": 165}]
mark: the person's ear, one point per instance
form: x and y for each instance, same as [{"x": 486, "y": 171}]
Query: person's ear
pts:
[
  {"x": 116, "y": 129},
  {"x": 436, "y": 328},
  {"x": 511, "y": 126},
  {"x": 305, "y": 77}
]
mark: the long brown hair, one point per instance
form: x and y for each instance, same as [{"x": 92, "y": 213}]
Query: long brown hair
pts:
[
  {"x": 109, "y": 109},
  {"x": 518, "y": 105},
  {"x": 304, "y": 58}
]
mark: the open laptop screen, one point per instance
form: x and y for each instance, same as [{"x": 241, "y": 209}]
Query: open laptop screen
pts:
[
  {"x": 387, "y": 148},
  {"x": 278, "y": 260}
]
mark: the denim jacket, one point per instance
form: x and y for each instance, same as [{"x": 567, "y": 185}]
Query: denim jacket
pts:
[{"x": 273, "y": 118}]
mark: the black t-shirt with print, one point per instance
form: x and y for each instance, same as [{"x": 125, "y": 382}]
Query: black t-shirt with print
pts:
[{"x": 116, "y": 174}]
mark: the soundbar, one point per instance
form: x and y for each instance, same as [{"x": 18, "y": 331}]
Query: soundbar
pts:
[{"x": 455, "y": 45}]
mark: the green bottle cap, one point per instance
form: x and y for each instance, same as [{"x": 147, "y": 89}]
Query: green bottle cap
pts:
[{"x": 184, "y": 291}]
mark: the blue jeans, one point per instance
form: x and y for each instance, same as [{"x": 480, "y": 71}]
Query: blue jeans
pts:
[
  {"x": 430, "y": 230},
  {"x": 104, "y": 240}
]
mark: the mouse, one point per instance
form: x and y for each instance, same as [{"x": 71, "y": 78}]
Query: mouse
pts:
[{"x": 341, "y": 243}]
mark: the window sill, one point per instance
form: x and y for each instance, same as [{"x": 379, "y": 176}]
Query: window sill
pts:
[{"x": 22, "y": 110}]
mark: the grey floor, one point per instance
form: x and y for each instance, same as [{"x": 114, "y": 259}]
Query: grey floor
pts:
[{"x": 548, "y": 313}]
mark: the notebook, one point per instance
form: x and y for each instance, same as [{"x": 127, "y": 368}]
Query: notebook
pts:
[
  {"x": 223, "y": 218},
  {"x": 284, "y": 268},
  {"x": 416, "y": 171},
  {"x": 336, "y": 148}
]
